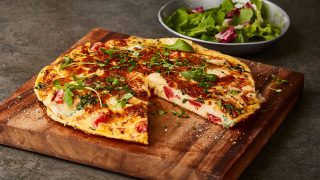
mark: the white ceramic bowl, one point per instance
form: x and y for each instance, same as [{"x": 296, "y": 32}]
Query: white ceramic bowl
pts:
[{"x": 275, "y": 15}]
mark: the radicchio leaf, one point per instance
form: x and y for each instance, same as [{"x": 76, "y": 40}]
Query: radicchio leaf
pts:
[
  {"x": 198, "y": 10},
  {"x": 233, "y": 12},
  {"x": 226, "y": 36}
]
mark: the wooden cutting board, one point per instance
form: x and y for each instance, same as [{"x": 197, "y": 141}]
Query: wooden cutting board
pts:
[{"x": 179, "y": 148}]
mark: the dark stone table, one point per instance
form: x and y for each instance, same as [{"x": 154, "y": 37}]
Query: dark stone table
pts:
[{"x": 35, "y": 32}]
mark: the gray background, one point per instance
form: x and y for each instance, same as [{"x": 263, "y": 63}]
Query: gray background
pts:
[{"x": 33, "y": 33}]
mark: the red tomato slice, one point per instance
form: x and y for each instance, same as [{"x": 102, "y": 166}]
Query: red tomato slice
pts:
[
  {"x": 58, "y": 97},
  {"x": 101, "y": 119},
  {"x": 195, "y": 103},
  {"x": 214, "y": 118},
  {"x": 141, "y": 127},
  {"x": 168, "y": 92},
  {"x": 234, "y": 114}
]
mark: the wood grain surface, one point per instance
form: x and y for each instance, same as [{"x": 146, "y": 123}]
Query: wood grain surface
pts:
[{"x": 189, "y": 148}]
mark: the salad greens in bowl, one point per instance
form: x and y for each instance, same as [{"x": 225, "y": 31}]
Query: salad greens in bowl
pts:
[{"x": 235, "y": 27}]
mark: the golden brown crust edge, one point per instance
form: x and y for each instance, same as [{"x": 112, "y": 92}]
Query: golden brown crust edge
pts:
[{"x": 143, "y": 139}]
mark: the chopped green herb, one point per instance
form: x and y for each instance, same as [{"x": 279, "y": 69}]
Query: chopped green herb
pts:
[
  {"x": 66, "y": 62},
  {"x": 127, "y": 96},
  {"x": 135, "y": 54},
  {"x": 206, "y": 91},
  {"x": 40, "y": 85},
  {"x": 219, "y": 103},
  {"x": 168, "y": 65},
  {"x": 99, "y": 98},
  {"x": 277, "y": 80},
  {"x": 181, "y": 114},
  {"x": 184, "y": 101},
  {"x": 98, "y": 85},
  {"x": 200, "y": 100},
  {"x": 115, "y": 67},
  {"x": 276, "y": 90},
  {"x": 57, "y": 84},
  {"x": 153, "y": 61},
  {"x": 166, "y": 53},
  {"x": 67, "y": 98},
  {"x": 109, "y": 52},
  {"x": 107, "y": 61},
  {"x": 224, "y": 118},
  {"x": 198, "y": 74},
  {"x": 130, "y": 68},
  {"x": 122, "y": 61},
  {"x": 110, "y": 79},
  {"x": 128, "y": 89},
  {"x": 234, "y": 92},
  {"x": 133, "y": 64},
  {"x": 79, "y": 81},
  {"x": 184, "y": 62},
  {"x": 115, "y": 82},
  {"x": 108, "y": 88},
  {"x": 204, "y": 84},
  {"x": 86, "y": 100},
  {"x": 123, "y": 101},
  {"x": 100, "y": 64},
  {"x": 231, "y": 109},
  {"x": 161, "y": 112},
  {"x": 238, "y": 68}
]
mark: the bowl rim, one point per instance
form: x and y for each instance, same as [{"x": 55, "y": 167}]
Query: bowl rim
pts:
[{"x": 225, "y": 44}]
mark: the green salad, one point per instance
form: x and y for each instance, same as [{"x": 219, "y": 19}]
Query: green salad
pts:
[{"x": 234, "y": 21}]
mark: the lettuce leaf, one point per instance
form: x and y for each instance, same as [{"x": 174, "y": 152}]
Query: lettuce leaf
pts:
[
  {"x": 244, "y": 16},
  {"x": 226, "y": 6},
  {"x": 255, "y": 32},
  {"x": 180, "y": 45},
  {"x": 258, "y": 4},
  {"x": 177, "y": 19},
  {"x": 207, "y": 24}
]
